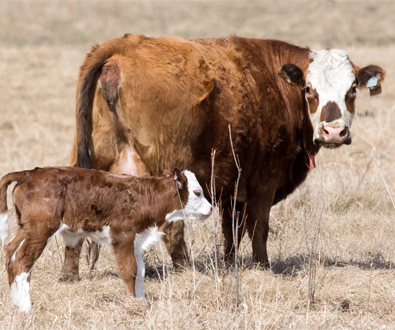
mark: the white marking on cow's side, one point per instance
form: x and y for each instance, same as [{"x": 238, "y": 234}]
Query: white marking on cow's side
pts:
[
  {"x": 3, "y": 227},
  {"x": 142, "y": 242},
  {"x": 20, "y": 295},
  {"x": 14, "y": 254},
  {"x": 197, "y": 207},
  {"x": 71, "y": 238},
  {"x": 331, "y": 75}
]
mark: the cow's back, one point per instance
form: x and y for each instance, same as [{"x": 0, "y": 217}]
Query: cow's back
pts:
[{"x": 165, "y": 102}]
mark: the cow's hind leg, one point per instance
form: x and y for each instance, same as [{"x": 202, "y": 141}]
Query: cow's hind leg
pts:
[
  {"x": 93, "y": 254},
  {"x": 71, "y": 262}
]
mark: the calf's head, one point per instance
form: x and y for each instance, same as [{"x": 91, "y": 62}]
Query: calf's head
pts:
[
  {"x": 192, "y": 203},
  {"x": 329, "y": 85}
]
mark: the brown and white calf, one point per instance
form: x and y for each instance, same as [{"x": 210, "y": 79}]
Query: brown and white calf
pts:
[{"x": 126, "y": 212}]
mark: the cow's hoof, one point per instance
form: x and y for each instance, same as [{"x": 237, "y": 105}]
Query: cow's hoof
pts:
[
  {"x": 180, "y": 264},
  {"x": 262, "y": 265},
  {"x": 69, "y": 278}
]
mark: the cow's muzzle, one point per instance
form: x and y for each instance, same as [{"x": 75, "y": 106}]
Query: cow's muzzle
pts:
[{"x": 333, "y": 137}]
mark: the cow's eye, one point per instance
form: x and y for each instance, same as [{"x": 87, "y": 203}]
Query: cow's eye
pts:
[
  {"x": 307, "y": 89},
  {"x": 354, "y": 89},
  {"x": 197, "y": 192}
]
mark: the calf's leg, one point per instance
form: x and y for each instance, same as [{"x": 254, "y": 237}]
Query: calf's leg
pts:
[
  {"x": 21, "y": 254},
  {"x": 139, "y": 286},
  {"x": 126, "y": 262}
]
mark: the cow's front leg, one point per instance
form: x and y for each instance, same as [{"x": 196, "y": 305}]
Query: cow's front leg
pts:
[
  {"x": 71, "y": 262},
  {"x": 175, "y": 244},
  {"x": 258, "y": 210},
  {"x": 227, "y": 228}
]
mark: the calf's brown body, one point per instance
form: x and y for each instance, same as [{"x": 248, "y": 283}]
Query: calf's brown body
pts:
[{"x": 111, "y": 209}]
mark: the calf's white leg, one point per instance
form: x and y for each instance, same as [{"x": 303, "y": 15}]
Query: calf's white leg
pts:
[{"x": 139, "y": 286}]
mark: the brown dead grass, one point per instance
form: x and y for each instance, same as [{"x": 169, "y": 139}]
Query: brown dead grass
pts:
[{"x": 41, "y": 46}]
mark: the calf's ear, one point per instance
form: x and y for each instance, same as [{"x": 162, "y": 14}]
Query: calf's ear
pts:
[
  {"x": 179, "y": 178},
  {"x": 166, "y": 173},
  {"x": 292, "y": 74},
  {"x": 371, "y": 77}
]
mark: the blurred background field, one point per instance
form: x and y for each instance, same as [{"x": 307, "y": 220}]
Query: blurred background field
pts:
[{"x": 42, "y": 44}]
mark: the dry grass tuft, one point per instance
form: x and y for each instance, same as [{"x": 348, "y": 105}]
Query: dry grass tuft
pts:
[{"x": 41, "y": 46}]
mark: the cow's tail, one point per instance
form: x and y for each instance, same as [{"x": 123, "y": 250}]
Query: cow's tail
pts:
[
  {"x": 4, "y": 183},
  {"x": 87, "y": 79}
]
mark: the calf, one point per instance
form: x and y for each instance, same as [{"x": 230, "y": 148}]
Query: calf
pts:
[{"x": 126, "y": 212}]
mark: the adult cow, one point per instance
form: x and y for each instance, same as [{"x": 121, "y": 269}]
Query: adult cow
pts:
[{"x": 149, "y": 104}]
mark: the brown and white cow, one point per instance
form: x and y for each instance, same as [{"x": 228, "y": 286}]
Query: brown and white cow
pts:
[
  {"x": 123, "y": 211},
  {"x": 149, "y": 104}
]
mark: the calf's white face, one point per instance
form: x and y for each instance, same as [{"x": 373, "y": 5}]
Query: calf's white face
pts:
[{"x": 197, "y": 206}]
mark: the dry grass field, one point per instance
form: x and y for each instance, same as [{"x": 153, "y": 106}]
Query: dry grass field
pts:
[{"x": 42, "y": 45}]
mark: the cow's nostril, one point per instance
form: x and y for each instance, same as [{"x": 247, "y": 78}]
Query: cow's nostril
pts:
[{"x": 343, "y": 132}]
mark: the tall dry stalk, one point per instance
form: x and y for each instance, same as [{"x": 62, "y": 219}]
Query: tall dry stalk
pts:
[
  {"x": 235, "y": 230},
  {"x": 314, "y": 246},
  {"x": 214, "y": 205},
  {"x": 236, "y": 242}
]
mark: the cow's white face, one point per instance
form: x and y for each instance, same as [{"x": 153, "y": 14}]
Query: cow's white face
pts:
[
  {"x": 330, "y": 92},
  {"x": 329, "y": 85}
]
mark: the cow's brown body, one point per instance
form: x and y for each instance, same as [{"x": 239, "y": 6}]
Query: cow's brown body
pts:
[{"x": 149, "y": 104}]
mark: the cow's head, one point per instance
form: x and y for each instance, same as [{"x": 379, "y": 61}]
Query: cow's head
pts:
[{"x": 330, "y": 85}]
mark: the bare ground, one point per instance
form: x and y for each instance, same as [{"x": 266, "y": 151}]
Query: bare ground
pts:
[{"x": 41, "y": 46}]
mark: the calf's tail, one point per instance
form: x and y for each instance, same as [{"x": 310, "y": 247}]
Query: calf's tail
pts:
[{"x": 4, "y": 183}]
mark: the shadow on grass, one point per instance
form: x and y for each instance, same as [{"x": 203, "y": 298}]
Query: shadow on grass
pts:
[
  {"x": 295, "y": 263},
  {"x": 287, "y": 267}
]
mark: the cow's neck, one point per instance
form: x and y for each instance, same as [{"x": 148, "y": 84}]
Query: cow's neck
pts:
[{"x": 286, "y": 53}]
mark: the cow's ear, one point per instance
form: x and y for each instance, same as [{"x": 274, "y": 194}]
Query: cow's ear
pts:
[
  {"x": 371, "y": 77},
  {"x": 179, "y": 178},
  {"x": 292, "y": 74}
]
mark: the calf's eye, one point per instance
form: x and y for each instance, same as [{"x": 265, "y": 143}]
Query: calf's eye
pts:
[
  {"x": 197, "y": 192},
  {"x": 308, "y": 90}
]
